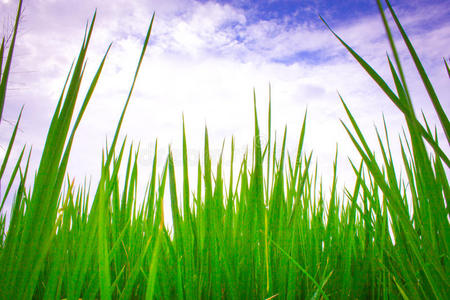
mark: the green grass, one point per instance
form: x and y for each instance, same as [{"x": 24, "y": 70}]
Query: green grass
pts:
[{"x": 274, "y": 234}]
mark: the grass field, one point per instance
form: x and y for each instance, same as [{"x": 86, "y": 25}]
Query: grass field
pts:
[{"x": 272, "y": 235}]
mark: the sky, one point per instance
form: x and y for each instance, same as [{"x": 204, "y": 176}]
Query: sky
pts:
[{"x": 204, "y": 60}]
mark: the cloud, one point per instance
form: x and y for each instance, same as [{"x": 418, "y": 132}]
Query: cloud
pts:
[{"x": 204, "y": 59}]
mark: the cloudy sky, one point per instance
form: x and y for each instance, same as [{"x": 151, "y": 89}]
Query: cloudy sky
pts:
[{"x": 204, "y": 60}]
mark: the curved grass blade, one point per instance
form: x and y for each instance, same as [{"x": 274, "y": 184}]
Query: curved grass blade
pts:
[
  {"x": 4, "y": 75},
  {"x": 426, "y": 81}
]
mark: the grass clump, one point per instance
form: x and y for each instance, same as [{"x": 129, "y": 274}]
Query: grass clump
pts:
[{"x": 272, "y": 235}]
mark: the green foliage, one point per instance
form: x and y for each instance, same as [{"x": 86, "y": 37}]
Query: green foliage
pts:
[{"x": 273, "y": 234}]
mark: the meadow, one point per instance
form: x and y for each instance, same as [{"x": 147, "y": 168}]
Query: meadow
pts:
[{"x": 275, "y": 234}]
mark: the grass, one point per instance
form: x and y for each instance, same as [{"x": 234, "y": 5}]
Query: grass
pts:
[{"x": 273, "y": 235}]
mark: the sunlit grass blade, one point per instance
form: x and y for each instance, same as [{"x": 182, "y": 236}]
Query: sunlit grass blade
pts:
[
  {"x": 4, "y": 73},
  {"x": 10, "y": 145},
  {"x": 41, "y": 213},
  {"x": 150, "y": 290},
  {"x": 296, "y": 264},
  {"x": 426, "y": 81},
  {"x": 446, "y": 67},
  {"x": 12, "y": 178},
  {"x": 394, "y": 98},
  {"x": 122, "y": 116}
]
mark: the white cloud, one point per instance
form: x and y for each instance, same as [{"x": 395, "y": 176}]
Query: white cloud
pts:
[{"x": 203, "y": 61}]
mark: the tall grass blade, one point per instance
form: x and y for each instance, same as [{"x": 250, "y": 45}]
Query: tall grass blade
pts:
[{"x": 4, "y": 74}]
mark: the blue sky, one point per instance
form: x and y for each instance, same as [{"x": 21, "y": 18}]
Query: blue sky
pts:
[
  {"x": 204, "y": 59},
  {"x": 301, "y": 11}
]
